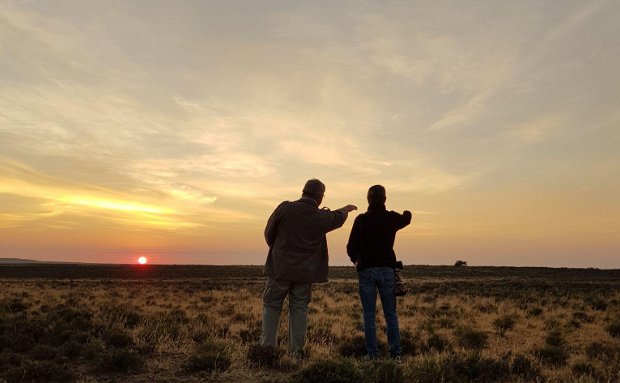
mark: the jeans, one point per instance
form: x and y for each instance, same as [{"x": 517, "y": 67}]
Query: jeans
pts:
[
  {"x": 381, "y": 278},
  {"x": 273, "y": 298}
]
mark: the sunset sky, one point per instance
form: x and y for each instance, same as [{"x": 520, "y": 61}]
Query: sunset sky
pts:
[{"x": 172, "y": 129}]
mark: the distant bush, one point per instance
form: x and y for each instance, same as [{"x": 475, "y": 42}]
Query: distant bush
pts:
[
  {"x": 329, "y": 371},
  {"x": 504, "y": 323},
  {"x": 263, "y": 356},
  {"x": 470, "y": 338},
  {"x": 209, "y": 356},
  {"x": 460, "y": 263}
]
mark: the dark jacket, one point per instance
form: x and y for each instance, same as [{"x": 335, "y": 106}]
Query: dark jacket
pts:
[
  {"x": 371, "y": 243},
  {"x": 295, "y": 234}
]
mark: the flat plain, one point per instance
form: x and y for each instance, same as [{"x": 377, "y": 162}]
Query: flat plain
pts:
[{"x": 130, "y": 323}]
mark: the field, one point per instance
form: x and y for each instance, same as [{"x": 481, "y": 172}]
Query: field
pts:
[{"x": 202, "y": 323}]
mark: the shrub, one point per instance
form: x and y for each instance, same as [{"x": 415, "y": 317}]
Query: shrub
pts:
[
  {"x": 384, "y": 371},
  {"x": 250, "y": 336},
  {"x": 430, "y": 369},
  {"x": 458, "y": 368},
  {"x": 554, "y": 338},
  {"x": 583, "y": 368},
  {"x": 460, "y": 263},
  {"x": 329, "y": 371},
  {"x": 15, "y": 305},
  {"x": 478, "y": 369},
  {"x": 41, "y": 371},
  {"x": 356, "y": 347},
  {"x": 43, "y": 352},
  {"x": 613, "y": 328},
  {"x": 582, "y": 317},
  {"x": 409, "y": 343},
  {"x": 535, "y": 311},
  {"x": 263, "y": 356},
  {"x": 209, "y": 356},
  {"x": 598, "y": 304},
  {"x": 504, "y": 323},
  {"x": 119, "y": 360},
  {"x": 522, "y": 366},
  {"x": 470, "y": 338},
  {"x": 118, "y": 338},
  {"x": 72, "y": 349},
  {"x": 436, "y": 342},
  {"x": 552, "y": 355},
  {"x": 602, "y": 351}
]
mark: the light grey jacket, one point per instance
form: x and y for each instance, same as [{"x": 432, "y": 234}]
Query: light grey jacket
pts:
[{"x": 295, "y": 234}]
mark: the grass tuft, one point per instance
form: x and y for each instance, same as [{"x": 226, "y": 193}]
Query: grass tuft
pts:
[
  {"x": 208, "y": 357},
  {"x": 329, "y": 371},
  {"x": 263, "y": 356}
]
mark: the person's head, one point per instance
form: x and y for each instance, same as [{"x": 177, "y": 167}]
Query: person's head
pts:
[
  {"x": 314, "y": 189},
  {"x": 376, "y": 195}
]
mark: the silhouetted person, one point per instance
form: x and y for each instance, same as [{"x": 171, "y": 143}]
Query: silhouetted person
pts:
[
  {"x": 371, "y": 249},
  {"x": 297, "y": 258}
]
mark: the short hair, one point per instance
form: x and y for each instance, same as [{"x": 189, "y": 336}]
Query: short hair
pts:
[
  {"x": 376, "y": 193},
  {"x": 314, "y": 188}
]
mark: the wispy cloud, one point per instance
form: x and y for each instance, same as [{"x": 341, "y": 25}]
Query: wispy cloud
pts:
[{"x": 200, "y": 117}]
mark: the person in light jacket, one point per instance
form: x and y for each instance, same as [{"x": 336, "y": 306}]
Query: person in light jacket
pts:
[{"x": 298, "y": 257}]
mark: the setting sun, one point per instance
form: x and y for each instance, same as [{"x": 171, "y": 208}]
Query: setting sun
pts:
[{"x": 142, "y": 260}]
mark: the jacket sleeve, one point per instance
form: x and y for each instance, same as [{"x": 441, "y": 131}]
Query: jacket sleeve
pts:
[
  {"x": 402, "y": 220},
  {"x": 354, "y": 245},
  {"x": 334, "y": 219},
  {"x": 272, "y": 226}
]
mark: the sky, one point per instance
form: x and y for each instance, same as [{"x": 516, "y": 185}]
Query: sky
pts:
[{"x": 172, "y": 129}]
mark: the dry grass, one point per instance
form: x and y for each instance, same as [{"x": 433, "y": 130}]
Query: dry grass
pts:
[{"x": 471, "y": 329}]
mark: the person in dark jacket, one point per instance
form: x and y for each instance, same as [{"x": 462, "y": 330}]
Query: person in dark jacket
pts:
[
  {"x": 371, "y": 249},
  {"x": 295, "y": 234}
]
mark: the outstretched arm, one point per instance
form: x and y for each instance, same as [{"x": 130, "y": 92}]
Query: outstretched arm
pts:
[
  {"x": 336, "y": 218},
  {"x": 403, "y": 219}
]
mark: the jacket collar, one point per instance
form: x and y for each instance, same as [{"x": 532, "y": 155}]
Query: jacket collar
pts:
[
  {"x": 309, "y": 201},
  {"x": 376, "y": 207}
]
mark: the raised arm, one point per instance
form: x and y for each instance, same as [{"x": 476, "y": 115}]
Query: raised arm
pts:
[
  {"x": 336, "y": 218},
  {"x": 403, "y": 220}
]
